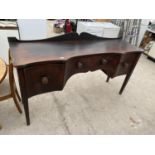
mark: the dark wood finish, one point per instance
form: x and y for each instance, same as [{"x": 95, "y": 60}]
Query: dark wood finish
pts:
[
  {"x": 108, "y": 78},
  {"x": 44, "y": 78},
  {"x": 150, "y": 58},
  {"x": 46, "y": 65},
  {"x": 72, "y": 45},
  {"x": 130, "y": 67}
]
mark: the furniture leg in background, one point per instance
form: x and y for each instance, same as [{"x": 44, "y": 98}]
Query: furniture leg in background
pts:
[
  {"x": 13, "y": 89},
  {"x": 13, "y": 93}
]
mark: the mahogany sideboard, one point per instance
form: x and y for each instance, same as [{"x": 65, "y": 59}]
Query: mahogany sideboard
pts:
[{"x": 46, "y": 65}]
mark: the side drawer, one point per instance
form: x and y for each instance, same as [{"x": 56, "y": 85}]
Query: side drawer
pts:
[
  {"x": 44, "y": 77},
  {"x": 110, "y": 63},
  {"x": 127, "y": 62}
]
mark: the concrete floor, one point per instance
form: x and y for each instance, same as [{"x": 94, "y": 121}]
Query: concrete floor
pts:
[{"x": 89, "y": 105}]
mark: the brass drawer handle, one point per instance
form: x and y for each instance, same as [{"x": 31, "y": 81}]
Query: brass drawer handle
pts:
[
  {"x": 44, "y": 80},
  {"x": 104, "y": 61},
  {"x": 80, "y": 65}
]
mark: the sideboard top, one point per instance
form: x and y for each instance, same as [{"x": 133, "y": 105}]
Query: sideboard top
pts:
[{"x": 64, "y": 47}]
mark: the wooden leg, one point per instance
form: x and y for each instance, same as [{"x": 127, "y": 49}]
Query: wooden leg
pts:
[
  {"x": 129, "y": 74},
  {"x": 17, "y": 94},
  {"x": 14, "y": 90},
  {"x": 13, "y": 87},
  {"x": 16, "y": 102},
  {"x": 26, "y": 109},
  {"x": 0, "y": 127},
  {"x": 124, "y": 83},
  {"x": 108, "y": 77},
  {"x": 24, "y": 96}
]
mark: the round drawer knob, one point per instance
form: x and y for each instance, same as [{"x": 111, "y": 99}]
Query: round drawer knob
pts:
[
  {"x": 44, "y": 80},
  {"x": 80, "y": 65},
  {"x": 104, "y": 61},
  {"x": 125, "y": 64}
]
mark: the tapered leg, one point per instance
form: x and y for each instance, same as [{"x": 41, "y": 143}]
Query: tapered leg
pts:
[
  {"x": 14, "y": 92},
  {"x": 24, "y": 96},
  {"x": 108, "y": 77},
  {"x": 137, "y": 55},
  {"x": 26, "y": 109},
  {"x": 124, "y": 83}
]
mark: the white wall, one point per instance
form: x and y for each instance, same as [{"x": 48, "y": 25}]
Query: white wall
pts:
[
  {"x": 32, "y": 29},
  {"x": 4, "y": 46}
]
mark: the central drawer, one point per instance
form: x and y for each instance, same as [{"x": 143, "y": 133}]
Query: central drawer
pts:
[
  {"x": 107, "y": 62},
  {"x": 44, "y": 78}
]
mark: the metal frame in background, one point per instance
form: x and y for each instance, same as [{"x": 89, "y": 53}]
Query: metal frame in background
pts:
[{"x": 130, "y": 29}]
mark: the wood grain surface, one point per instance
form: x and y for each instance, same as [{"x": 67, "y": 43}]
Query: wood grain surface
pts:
[{"x": 65, "y": 47}]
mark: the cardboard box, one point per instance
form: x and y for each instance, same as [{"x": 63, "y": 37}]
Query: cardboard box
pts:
[{"x": 58, "y": 29}]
